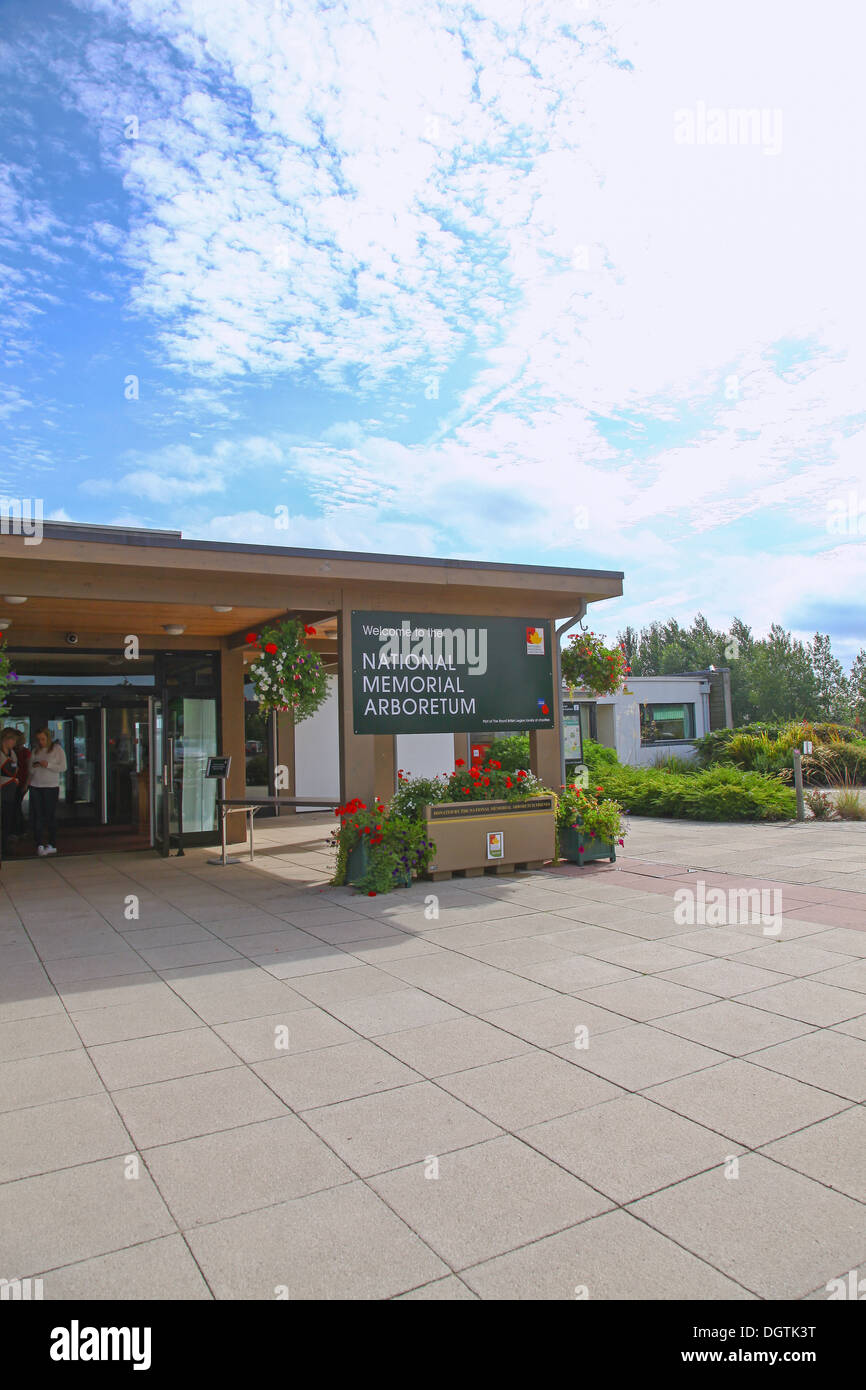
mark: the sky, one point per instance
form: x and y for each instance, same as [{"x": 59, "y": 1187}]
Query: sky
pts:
[{"x": 569, "y": 282}]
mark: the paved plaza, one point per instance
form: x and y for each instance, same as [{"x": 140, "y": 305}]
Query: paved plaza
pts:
[{"x": 242, "y": 1083}]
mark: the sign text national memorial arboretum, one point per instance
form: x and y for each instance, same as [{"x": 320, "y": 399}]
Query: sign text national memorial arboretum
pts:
[{"x": 416, "y": 673}]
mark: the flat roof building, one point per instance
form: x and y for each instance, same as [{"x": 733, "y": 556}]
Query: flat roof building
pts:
[{"x": 136, "y": 728}]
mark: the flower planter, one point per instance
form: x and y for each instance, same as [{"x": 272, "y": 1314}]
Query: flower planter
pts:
[
  {"x": 579, "y": 848},
  {"x": 358, "y": 862},
  {"x": 462, "y": 831}
]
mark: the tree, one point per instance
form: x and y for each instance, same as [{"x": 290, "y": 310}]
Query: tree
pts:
[
  {"x": 857, "y": 688},
  {"x": 833, "y": 696},
  {"x": 772, "y": 678},
  {"x": 781, "y": 681}
]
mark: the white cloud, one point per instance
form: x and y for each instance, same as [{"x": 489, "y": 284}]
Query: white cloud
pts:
[{"x": 359, "y": 201}]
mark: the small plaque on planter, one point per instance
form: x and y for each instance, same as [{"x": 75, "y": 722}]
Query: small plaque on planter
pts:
[
  {"x": 580, "y": 776},
  {"x": 495, "y": 844}
]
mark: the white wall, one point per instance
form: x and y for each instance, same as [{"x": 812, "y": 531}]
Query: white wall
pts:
[
  {"x": 619, "y": 717},
  {"x": 317, "y": 751},
  {"x": 425, "y": 755}
]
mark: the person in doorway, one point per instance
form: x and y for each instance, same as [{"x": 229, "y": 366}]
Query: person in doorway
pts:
[
  {"x": 8, "y": 787},
  {"x": 46, "y": 765},
  {"x": 22, "y": 752}
]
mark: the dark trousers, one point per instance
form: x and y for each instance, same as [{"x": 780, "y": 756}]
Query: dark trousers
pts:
[
  {"x": 43, "y": 810},
  {"x": 7, "y": 815}
]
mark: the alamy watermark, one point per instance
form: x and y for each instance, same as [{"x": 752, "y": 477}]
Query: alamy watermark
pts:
[
  {"x": 729, "y": 125},
  {"x": 430, "y": 648},
  {"x": 22, "y": 516},
  {"x": 733, "y": 907},
  {"x": 21, "y": 1290},
  {"x": 846, "y": 516}
]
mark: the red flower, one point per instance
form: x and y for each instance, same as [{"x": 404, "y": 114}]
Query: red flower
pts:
[
  {"x": 459, "y": 762},
  {"x": 599, "y": 789},
  {"x": 465, "y": 791},
  {"x": 371, "y": 892},
  {"x": 493, "y": 764},
  {"x": 271, "y": 648},
  {"x": 251, "y": 637},
  {"x": 487, "y": 781},
  {"x": 508, "y": 782},
  {"x": 544, "y": 709},
  {"x": 310, "y": 631}
]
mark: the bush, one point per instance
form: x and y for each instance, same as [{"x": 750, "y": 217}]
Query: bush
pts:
[
  {"x": 716, "y": 794},
  {"x": 577, "y": 809},
  {"x": 671, "y": 763},
  {"x": 414, "y": 793},
  {"x": 399, "y": 847},
  {"x": 511, "y": 752},
  {"x": 597, "y": 757},
  {"x": 820, "y": 805},
  {"x": 836, "y": 765},
  {"x": 849, "y": 806},
  {"x": 768, "y": 747}
]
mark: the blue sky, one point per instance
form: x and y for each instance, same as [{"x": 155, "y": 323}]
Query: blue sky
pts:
[{"x": 448, "y": 279}]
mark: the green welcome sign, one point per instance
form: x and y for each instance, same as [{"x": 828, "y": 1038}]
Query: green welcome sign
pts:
[{"x": 415, "y": 673}]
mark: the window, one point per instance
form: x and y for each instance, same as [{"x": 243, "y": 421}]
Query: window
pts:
[{"x": 666, "y": 723}]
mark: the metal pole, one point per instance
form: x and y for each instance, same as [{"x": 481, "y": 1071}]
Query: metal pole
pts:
[
  {"x": 224, "y": 858},
  {"x": 223, "y": 818},
  {"x": 557, "y": 677},
  {"x": 273, "y": 756},
  {"x": 798, "y": 784}
]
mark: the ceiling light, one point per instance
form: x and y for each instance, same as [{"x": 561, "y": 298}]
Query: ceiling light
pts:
[
  {"x": 15, "y": 598},
  {"x": 4, "y": 623},
  {"x": 173, "y": 629},
  {"x": 222, "y": 607}
]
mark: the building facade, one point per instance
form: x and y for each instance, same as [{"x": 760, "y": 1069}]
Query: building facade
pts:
[{"x": 131, "y": 647}]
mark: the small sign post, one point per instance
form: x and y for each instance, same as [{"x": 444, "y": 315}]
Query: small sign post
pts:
[
  {"x": 219, "y": 769},
  {"x": 798, "y": 783}
]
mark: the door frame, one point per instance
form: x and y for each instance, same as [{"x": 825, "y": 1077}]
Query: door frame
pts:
[{"x": 163, "y": 694}]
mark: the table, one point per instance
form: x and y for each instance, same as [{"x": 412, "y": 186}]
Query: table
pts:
[{"x": 249, "y": 805}]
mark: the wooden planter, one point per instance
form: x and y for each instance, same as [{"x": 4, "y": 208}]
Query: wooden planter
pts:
[
  {"x": 358, "y": 862},
  {"x": 578, "y": 848},
  {"x": 465, "y": 834}
]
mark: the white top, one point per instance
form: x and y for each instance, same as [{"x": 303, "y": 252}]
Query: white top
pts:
[{"x": 48, "y": 776}]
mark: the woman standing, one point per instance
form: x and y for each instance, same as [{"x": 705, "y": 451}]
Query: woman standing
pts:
[
  {"x": 8, "y": 787},
  {"x": 22, "y": 753},
  {"x": 46, "y": 765}
]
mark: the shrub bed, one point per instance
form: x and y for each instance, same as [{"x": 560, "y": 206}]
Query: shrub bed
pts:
[
  {"x": 713, "y": 794},
  {"x": 768, "y": 748}
]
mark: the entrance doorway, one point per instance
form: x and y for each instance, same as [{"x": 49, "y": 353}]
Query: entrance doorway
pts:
[
  {"x": 98, "y": 713},
  {"x": 136, "y": 736}
]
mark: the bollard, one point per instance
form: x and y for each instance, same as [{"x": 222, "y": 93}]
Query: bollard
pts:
[{"x": 798, "y": 784}]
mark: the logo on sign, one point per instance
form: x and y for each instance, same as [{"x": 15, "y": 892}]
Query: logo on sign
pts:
[
  {"x": 495, "y": 844},
  {"x": 534, "y": 641}
]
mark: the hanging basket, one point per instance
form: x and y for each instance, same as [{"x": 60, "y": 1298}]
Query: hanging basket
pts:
[
  {"x": 288, "y": 677},
  {"x": 588, "y": 663}
]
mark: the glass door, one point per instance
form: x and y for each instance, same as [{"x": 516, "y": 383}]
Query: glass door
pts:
[
  {"x": 159, "y": 827},
  {"x": 77, "y": 731},
  {"x": 191, "y": 738},
  {"x": 184, "y": 729}
]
